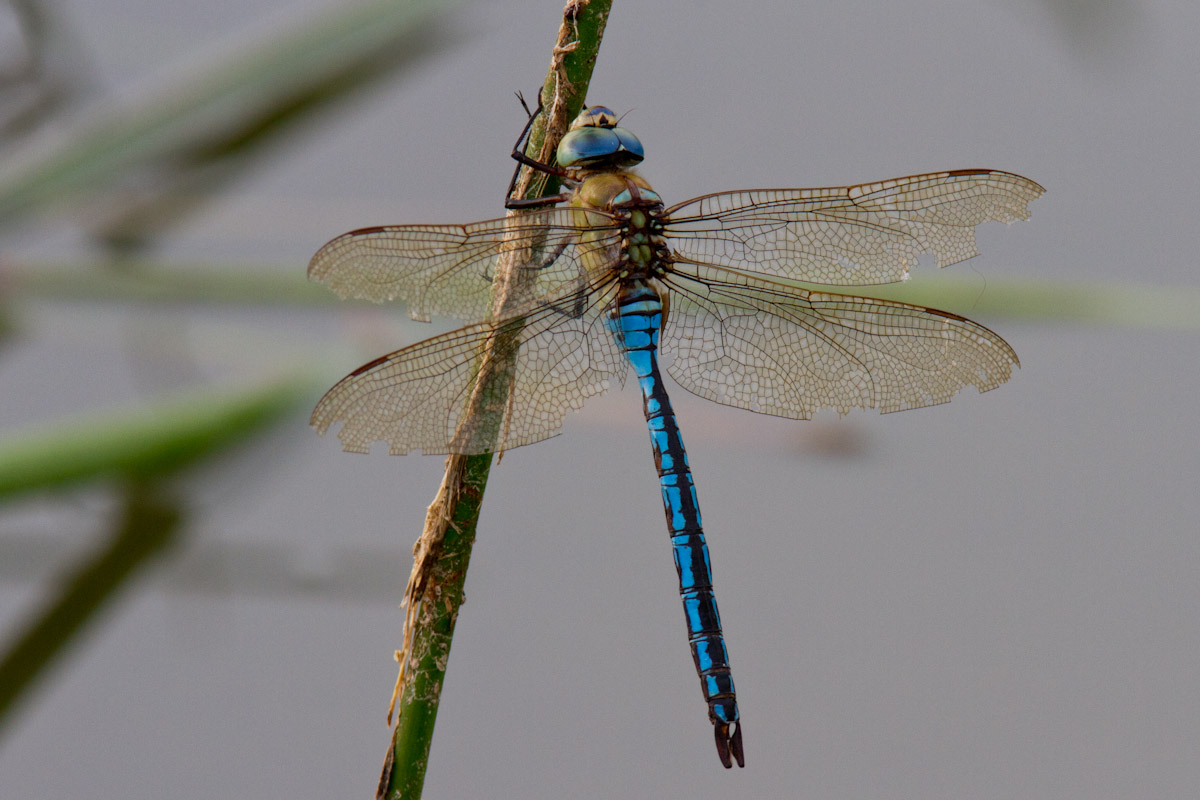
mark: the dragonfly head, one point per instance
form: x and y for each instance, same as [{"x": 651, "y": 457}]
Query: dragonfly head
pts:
[{"x": 594, "y": 141}]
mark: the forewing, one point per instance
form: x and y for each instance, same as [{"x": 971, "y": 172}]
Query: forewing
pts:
[
  {"x": 417, "y": 398},
  {"x": 449, "y": 269},
  {"x": 852, "y": 235},
  {"x": 780, "y": 350}
]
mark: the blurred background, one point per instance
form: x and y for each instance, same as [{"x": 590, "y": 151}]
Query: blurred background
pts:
[{"x": 198, "y": 596}]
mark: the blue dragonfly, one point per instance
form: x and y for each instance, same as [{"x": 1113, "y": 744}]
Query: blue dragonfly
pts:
[{"x": 601, "y": 277}]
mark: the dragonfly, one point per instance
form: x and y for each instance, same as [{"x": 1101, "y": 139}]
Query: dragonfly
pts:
[{"x": 602, "y": 277}]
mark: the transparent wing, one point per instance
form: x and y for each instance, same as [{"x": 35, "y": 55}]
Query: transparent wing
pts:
[
  {"x": 851, "y": 235},
  {"x": 448, "y": 269},
  {"x": 416, "y": 398},
  {"x": 780, "y": 350}
]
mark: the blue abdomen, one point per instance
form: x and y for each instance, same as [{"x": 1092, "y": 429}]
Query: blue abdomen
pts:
[{"x": 636, "y": 323}]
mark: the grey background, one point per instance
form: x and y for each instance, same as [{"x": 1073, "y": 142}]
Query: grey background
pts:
[{"x": 996, "y": 598}]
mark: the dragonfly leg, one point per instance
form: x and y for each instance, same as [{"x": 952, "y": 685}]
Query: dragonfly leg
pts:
[
  {"x": 518, "y": 154},
  {"x": 552, "y": 256},
  {"x": 524, "y": 105}
]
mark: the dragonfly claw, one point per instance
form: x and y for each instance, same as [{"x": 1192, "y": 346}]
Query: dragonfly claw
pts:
[{"x": 729, "y": 743}]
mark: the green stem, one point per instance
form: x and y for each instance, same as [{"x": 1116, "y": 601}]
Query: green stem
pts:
[
  {"x": 151, "y": 523},
  {"x": 436, "y": 588},
  {"x": 431, "y": 628}
]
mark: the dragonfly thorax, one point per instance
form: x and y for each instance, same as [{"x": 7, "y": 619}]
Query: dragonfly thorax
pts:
[
  {"x": 638, "y": 209},
  {"x": 616, "y": 190}
]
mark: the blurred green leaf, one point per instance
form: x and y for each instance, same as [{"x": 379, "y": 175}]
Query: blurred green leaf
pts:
[
  {"x": 142, "y": 280},
  {"x": 141, "y": 450},
  {"x": 150, "y": 522},
  {"x": 41, "y": 68},
  {"x": 1132, "y": 305},
  {"x": 241, "y": 101},
  {"x": 143, "y": 443}
]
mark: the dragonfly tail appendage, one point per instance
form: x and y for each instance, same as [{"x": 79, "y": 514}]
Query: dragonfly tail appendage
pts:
[
  {"x": 636, "y": 326},
  {"x": 729, "y": 743}
]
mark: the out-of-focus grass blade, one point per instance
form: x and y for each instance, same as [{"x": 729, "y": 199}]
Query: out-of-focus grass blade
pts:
[
  {"x": 141, "y": 451},
  {"x": 1132, "y": 305},
  {"x": 124, "y": 280},
  {"x": 151, "y": 522},
  {"x": 41, "y": 68},
  {"x": 146, "y": 443},
  {"x": 239, "y": 101}
]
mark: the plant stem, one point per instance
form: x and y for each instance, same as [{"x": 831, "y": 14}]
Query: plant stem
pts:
[
  {"x": 151, "y": 523},
  {"x": 435, "y": 589}
]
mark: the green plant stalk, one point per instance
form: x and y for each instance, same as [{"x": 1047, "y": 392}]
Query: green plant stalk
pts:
[
  {"x": 432, "y": 632},
  {"x": 450, "y": 528},
  {"x": 150, "y": 524}
]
